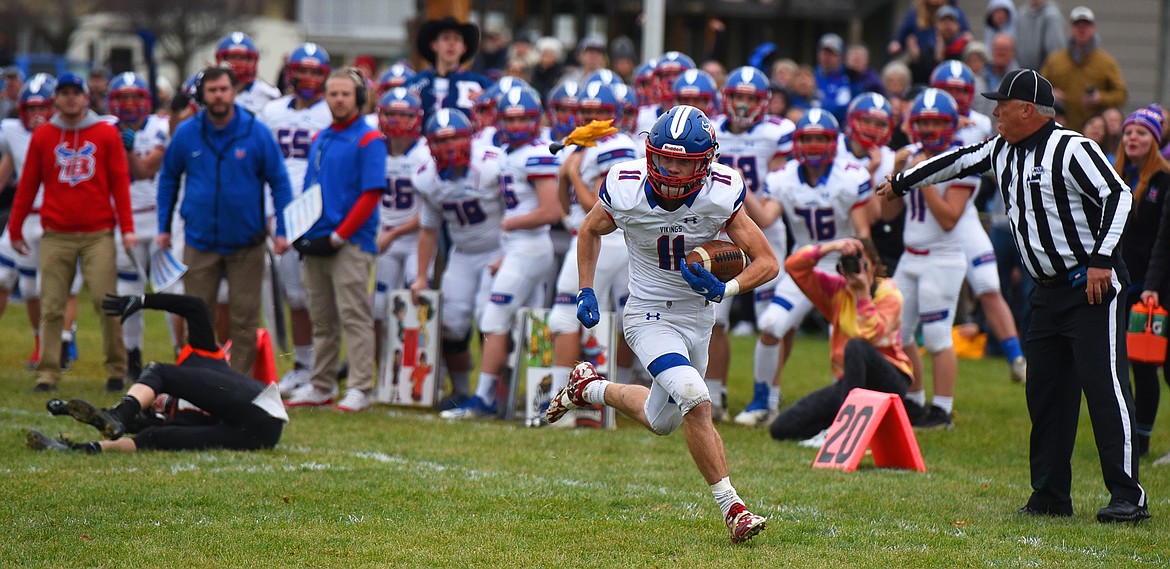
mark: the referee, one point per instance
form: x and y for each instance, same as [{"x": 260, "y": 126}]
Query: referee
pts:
[{"x": 1067, "y": 208}]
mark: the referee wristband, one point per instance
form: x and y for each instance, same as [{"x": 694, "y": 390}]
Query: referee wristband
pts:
[{"x": 730, "y": 288}]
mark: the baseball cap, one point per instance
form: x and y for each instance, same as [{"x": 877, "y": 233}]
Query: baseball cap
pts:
[
  {"x": 70, "y": 78},
  {"x": 592, "y": 42},
  {"x": 1081, "y": 14},
  {"x": 946, "y": 11},
  {"x": 1024, "y": 85},
  {"x": 832, "y": 42}
]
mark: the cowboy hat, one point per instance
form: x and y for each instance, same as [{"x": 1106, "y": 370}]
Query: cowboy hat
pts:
[{"x": 431, "y": 30}]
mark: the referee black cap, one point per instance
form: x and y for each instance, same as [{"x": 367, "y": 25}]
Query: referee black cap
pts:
[{"x": 1024, "y": 85}]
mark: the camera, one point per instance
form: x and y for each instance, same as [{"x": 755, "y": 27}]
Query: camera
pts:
[{"x": 850, "y": 264}]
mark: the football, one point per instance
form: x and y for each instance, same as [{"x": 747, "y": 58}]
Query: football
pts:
[{"x": 723, "y": 259}]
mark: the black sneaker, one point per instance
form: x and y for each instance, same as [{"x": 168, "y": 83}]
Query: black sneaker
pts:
[
  {"x": 1054, "y": 511},
  {"x": 1120, "y": 510},
  {"x": 37, "y": 440},
  {"x": 57, "y": 407},
  {"x": 915, "y": 412},
  {"x": 100, "y": 419},
  {"x": 936, "y": 418},
  {"x": 134, "y": 364},
  {"x": 115, "y": 385},
  {"x": 44, "y": 387},
  {"x": 66, "y": 356}
]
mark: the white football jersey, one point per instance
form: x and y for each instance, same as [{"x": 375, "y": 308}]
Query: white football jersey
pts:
[
  {"x": 295, "y": 130},
  {"x": 609, "y": 151},
  {"x": 256, "y": 96},
  {"x": 646, "y": 118},
  {"x": 883, "y": 169},
  {"x": 659, "y": 240},
  {"x": 752, "y": 150},
  {"x": 399, "y": 203},
  {"x": 14, "y": 140},
  {"x": 486, "y": 135},
  {"x": 818, "y": 212},
  {"x": 472, "y": 205},
  {"x": 521, "y": 167},
  {"x": 922, "y": 231},
  {"x": 155, "y": 133},
  {"x": 576, "y": 215},
  {"x": 978, "y": 131}
]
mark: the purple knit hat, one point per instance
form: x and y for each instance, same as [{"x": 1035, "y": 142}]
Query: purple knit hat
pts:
[{"x": 1149, "y": 117}]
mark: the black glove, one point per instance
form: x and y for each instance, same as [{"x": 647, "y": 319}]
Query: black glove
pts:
[
  {"x": 123, "y": 306},
  {"x": 317, "y": 247},
  {"x": 128, "y": 138}
]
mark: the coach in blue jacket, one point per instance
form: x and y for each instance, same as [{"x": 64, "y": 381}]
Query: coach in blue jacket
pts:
[{"x": 228, "y": 156}]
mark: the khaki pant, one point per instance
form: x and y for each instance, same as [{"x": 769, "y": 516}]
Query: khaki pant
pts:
[
  {"x": 59, "y": 256},
  {"x": 337, "y": 291},
  {"x": 244, "y": 270}
]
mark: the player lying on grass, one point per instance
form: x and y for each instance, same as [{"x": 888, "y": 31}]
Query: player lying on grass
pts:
[{"x": 197, "y": 403}]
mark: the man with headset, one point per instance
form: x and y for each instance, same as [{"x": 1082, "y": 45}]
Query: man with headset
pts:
[
  {"x": 228, "y": 156},
  {"x": 348, "y": 161}
]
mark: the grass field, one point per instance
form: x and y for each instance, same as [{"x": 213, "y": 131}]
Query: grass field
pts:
[{"x": 400, "y": 488}]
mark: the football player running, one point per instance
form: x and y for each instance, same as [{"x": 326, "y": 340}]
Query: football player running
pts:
[
  {"x": 666, "y": 205},
  {"x": 295, "y": 120},
  {"x": 822, "y": 199},
  {"x": 460, "y": 185}
]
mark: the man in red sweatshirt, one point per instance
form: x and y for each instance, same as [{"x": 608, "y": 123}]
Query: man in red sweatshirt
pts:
[{"x": 82, "y": 164}]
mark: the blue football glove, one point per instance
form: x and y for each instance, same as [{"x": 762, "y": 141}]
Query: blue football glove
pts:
[
  {"x": 587, "y": 312},
  {"x": 703, "y": 282},
  {"x": 128, "y": 139}
]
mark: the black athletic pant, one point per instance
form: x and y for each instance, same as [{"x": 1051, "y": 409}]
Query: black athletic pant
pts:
[
  {"x": 1076, "y": 347},
  {"x": 864, "y": 367}
]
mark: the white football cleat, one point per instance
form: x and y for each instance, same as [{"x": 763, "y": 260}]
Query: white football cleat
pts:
[
  {"x": 293, "y": 380},
  {"x": 1020, "y": 370},
  {"x": 572, "y": 395}
]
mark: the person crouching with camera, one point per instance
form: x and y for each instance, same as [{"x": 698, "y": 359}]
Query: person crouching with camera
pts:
[{"x": 865, "y": 310}]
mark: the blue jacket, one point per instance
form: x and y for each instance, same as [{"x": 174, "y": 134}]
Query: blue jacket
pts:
[
  {"x": 461, "y": 88},
  {"x": 226, "y": 169}
]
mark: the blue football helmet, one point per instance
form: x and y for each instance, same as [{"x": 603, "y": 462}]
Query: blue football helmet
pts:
[
  {"x": 644, "y": 87},
  {"x": 393, "y": 77},
  {"x": 815, "y": 153},
  {"x": 241, "y": 55},
  {"x": 129, "y": 98},
  {"x": 936, "y": 104},
  {"x": 519, "y": 102},
  {"x": 629, "y": 101},
  {"x": 698, "y": 89},
  {"x": 483, "y": 108},
  {"x": 666, "y": 70},
  {"x": 307, "y": 69},
  {"x": 35, "y": 103},
  {"x": 864, "y": 120},
  {"x": 562, "y": 108},
  {"x": 400, "y": 114},
  {"x": 605, "y": 76},
  {"x": 742, "y": 81},
  {"x": 597, "y": 101},
  {"x": 682, "y": 133},
  {"x": 956, "y": 79},
  {"x": 448, "y": 133}
]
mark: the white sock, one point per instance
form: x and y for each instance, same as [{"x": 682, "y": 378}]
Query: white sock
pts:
[
  {"x": 718, "y": 392},
  {"x": 486, "y": 390},
  {"x": 774, "y": 397},
  {"x": 66, "y": 336},
  {"x": 918, "y": 397},
  {"x": 767, "y": 361},
  {"x": 725, "y": 495},
  {"x": 560, "y": 377},
  {"x": 625, "y": 375},
  {"x": 595, "y": 392},
  {"x": 944, "y": 402},
  {"x": 303, "y": 355}
]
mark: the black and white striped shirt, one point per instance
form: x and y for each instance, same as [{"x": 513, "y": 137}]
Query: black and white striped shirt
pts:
[{"x": 1062, "y": 217}]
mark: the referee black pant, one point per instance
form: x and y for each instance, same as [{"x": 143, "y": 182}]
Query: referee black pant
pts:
[{"x": 1076, "y": 347}]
